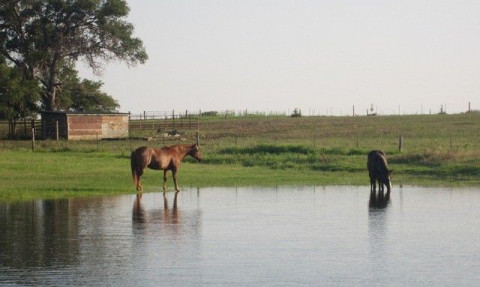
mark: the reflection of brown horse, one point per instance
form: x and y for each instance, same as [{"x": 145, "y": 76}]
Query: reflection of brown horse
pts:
[
  {"x": 166, "y": 158},
  {"x": 139, "y": 215},
  {"x": 173, "y": 218}
]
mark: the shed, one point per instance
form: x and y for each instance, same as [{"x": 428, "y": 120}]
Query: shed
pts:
[{"x": 84, "y": 126}]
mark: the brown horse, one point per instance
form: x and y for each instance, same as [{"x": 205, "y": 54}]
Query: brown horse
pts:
[{"x": 166, "y": 158}]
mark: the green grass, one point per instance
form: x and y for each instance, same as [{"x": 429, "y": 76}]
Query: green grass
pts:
[
  {"x": 29, "y": 175},
  {"x": 439, "y": 150}
]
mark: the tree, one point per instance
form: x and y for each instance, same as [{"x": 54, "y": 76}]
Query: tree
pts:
[
  {"x": 40, "y": 37},
  {"x": 82, "y": 95},
  {"x": 88, "y": 97},
  {"x": 18, "y": 96}
]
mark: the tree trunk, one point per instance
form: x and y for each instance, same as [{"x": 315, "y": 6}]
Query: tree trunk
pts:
[
  {"x": 52, "y": 85},
  {"x": 51, "y": 93}
]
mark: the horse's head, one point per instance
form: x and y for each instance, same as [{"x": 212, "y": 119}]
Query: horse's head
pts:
[
  {"x": 387, "y": 179},
  {"x": 389, "y": 186},
  {"x": 195, "y": 152}
]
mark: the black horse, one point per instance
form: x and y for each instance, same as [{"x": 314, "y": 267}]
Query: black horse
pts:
[{"x": 378, "y": 171}]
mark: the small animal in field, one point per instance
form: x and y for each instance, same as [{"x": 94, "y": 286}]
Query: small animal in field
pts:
[
  {"x": 166, "y": 158},
  {"x": 378, "y": 171}
]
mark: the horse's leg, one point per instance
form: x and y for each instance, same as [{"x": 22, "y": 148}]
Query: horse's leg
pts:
[
  {"x": 135, "y": 175},
  {"x": 174, "y": 173},
  {"x": 138, "y": 175},
  {"x": 135, "y": 179},
  {"x": 165, "y": 177}
]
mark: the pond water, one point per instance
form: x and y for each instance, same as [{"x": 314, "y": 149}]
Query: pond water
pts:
[{"x": 246, "y": 237}]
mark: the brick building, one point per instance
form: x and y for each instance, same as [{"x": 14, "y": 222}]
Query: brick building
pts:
[{"x": 84, "y": 126}]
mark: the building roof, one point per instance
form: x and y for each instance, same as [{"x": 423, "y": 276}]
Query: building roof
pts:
[{"x": 83, "y": 113}]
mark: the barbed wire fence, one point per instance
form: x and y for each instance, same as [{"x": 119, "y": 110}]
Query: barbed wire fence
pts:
[{"x": 156, "y": 122}]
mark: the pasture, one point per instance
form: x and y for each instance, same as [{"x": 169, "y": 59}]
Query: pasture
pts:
[{"x": 438, "y": 150}]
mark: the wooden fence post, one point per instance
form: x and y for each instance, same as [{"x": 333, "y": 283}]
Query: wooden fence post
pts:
[
  {"x": 33, "y": 138},
  {"x": 33, "y": 135},
  {"x": 56, "y": 130}
]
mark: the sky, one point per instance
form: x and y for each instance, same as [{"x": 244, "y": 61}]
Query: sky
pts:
[{"x": 321, "y": 56}]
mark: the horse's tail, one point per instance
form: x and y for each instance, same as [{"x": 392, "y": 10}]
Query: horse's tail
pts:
[{"x": 133, "y": 165}]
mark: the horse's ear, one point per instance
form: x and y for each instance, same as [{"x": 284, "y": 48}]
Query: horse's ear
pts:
[{"x": 196, "y": 146}]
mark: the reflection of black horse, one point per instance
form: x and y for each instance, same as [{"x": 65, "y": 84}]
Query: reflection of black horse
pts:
[
  {"x": 379, "y": 199},
  {"x": 378, "y": 227}
]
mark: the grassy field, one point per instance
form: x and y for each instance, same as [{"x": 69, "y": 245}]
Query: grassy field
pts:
[{"x": 439, "y": 150}]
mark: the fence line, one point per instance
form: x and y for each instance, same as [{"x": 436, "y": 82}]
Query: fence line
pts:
[
  {"x": 167, "y": 121},
  {"x": 156, "y": 115},
  {"x": 22, "y": 128}
]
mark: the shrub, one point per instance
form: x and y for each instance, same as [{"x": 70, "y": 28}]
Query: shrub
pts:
[{"x": 296, "y": 113}]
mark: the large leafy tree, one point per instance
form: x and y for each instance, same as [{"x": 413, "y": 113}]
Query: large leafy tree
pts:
[
  {"x": 18, "y": 96},
  {"x": 40, "y": 37}
]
